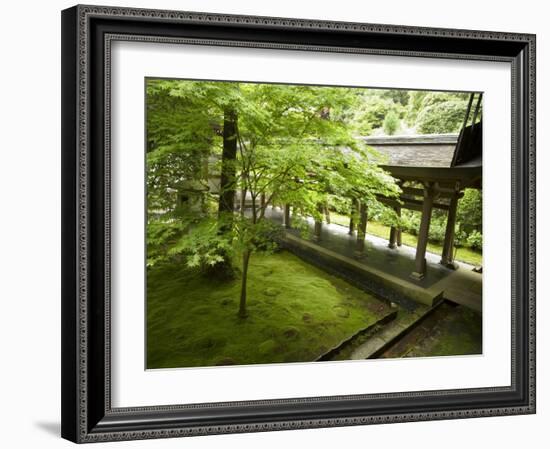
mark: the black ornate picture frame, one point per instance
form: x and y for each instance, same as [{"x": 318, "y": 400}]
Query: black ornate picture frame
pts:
[{"x": 87, "y": 34}]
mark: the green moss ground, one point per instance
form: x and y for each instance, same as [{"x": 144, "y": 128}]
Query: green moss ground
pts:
[
  {"x": 296, "y": 313},
  {"x": 449, "y": 330},
  {"x": 458, "y": 333},
  {"x": 463, "y": 254}
]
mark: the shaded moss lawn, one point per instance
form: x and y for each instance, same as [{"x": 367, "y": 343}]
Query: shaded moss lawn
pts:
[
  {"x": 296, "y": 312},
  {"x": 463, "y": 254}
]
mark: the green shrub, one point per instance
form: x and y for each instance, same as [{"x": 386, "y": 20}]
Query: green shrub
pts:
[
  {"x": 439, "y": 118},
  {"x": 373, "y": 111},
  {"x": 391, "y": 123},
  {"x": 437, "y": 230},
  {"x": 460, "y": 236},
  {"x": 469, "y": 211},
  {"x": 410, "y": 221},
  {"x": 475, "y": 240}
]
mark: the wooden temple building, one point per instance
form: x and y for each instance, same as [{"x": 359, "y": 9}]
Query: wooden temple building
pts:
[
  {"x": 428, "y": 187},
  {"x": 433, "y": 172}
]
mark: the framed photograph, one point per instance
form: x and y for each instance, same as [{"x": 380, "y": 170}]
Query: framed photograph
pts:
[{"x": 277, "y": 224}]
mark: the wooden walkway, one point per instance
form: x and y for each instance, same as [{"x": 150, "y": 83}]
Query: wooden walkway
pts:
[
  {"x": 464, "y": 287},
  {"x": 390, "y": 269}
]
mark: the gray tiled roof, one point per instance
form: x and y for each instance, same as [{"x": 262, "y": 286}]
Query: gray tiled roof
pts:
[{"x": 415, "y": 151}]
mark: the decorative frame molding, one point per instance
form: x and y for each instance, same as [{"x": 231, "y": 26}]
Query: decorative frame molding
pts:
[{"x": 87, "y": 33}]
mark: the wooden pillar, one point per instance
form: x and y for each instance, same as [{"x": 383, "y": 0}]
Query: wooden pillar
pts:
[
  {"x": 317, "y": 228},
  {"x": 420, "y": 259},
  {"x": 448, "y": 243},
  {"x": 395, "y": 233},
  {"x": 398, "y": 212},
  {"x": 398, "y": 237},
  {"x": 351, "y": 222},
  {"x": 361, "y": 229},
  {"x": 327, "y": 213},
  {"x": 393, "y": 237},
  {"x": 286, "y": 216}
]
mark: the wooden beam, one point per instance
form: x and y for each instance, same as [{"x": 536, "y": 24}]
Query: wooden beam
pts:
[
  {"x": 439, "y": 191},
  {"x": 410, "y": 203}
]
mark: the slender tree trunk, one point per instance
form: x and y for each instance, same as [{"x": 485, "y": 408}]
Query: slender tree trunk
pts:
[
  {"x": 226, "y": 204},
  {"x": 242, "y": 303},
  {"x": 262, "y": 201},
  {"x": 229, "y": 156},
  {"x": 254, "y": 211}
]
